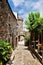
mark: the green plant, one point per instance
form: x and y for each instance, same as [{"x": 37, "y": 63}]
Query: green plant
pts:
[
  {"x": 5, "y": 49},
  {"x": 34, "y": 22},
  {"x": 27, "y": 37}
]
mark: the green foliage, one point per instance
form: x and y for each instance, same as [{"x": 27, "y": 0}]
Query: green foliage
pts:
[
  {"x": 34, "y": 22},
  {"x": 1, "y": 63},
  {"x": 27, "y": 37},
  {"x": 5, "y": 49}
]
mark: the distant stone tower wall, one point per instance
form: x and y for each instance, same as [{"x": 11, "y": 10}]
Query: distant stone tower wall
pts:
[{"x": 20, "y": 25}]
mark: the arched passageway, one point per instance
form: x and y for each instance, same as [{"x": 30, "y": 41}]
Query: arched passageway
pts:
[{"x": 19, "y": 38}]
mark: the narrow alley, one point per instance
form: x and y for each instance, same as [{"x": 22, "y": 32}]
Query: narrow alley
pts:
[
  {"x": 23, "y": 56},
  {"x": 19, "y": 20}
]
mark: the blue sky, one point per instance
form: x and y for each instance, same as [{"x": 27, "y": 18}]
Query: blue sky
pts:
[{"x": 24, "y": 7}]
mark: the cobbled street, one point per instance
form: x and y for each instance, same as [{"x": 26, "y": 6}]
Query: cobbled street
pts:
[{"x": 23, "y": 56}]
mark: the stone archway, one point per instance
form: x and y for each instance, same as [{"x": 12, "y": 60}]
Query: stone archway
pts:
[{"x": 20, "y": 37}]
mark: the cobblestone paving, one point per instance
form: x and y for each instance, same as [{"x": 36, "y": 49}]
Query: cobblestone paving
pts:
[{"x": 24, "y": 57}]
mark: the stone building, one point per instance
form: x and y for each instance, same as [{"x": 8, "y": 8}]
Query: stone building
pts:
[
  {"x": 20, "y": 28},
  {"x": 20, "y": 25},
  {"x": 8, "y": 23}
]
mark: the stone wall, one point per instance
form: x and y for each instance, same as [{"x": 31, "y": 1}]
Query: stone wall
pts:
[
  {"x": 20, "y": 25},
  {"x": 8, "y": 23},
  {"x": 3, "y": 23}
]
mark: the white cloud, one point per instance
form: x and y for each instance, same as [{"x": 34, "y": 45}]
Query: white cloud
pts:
[
  {"x": 21, "y": 11},
  {"x": 17, "y": 2},
  {"x": 25, "y": 15},
  {"x": 38, "y": 6},
  {"x": 28, "y": 4}
]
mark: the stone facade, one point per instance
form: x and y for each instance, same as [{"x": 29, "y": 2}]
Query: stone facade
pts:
[
  {"x": 8, "y": 23},
  {"x": 20, "y": 25},
  {"x": 20, "y": 28}
]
